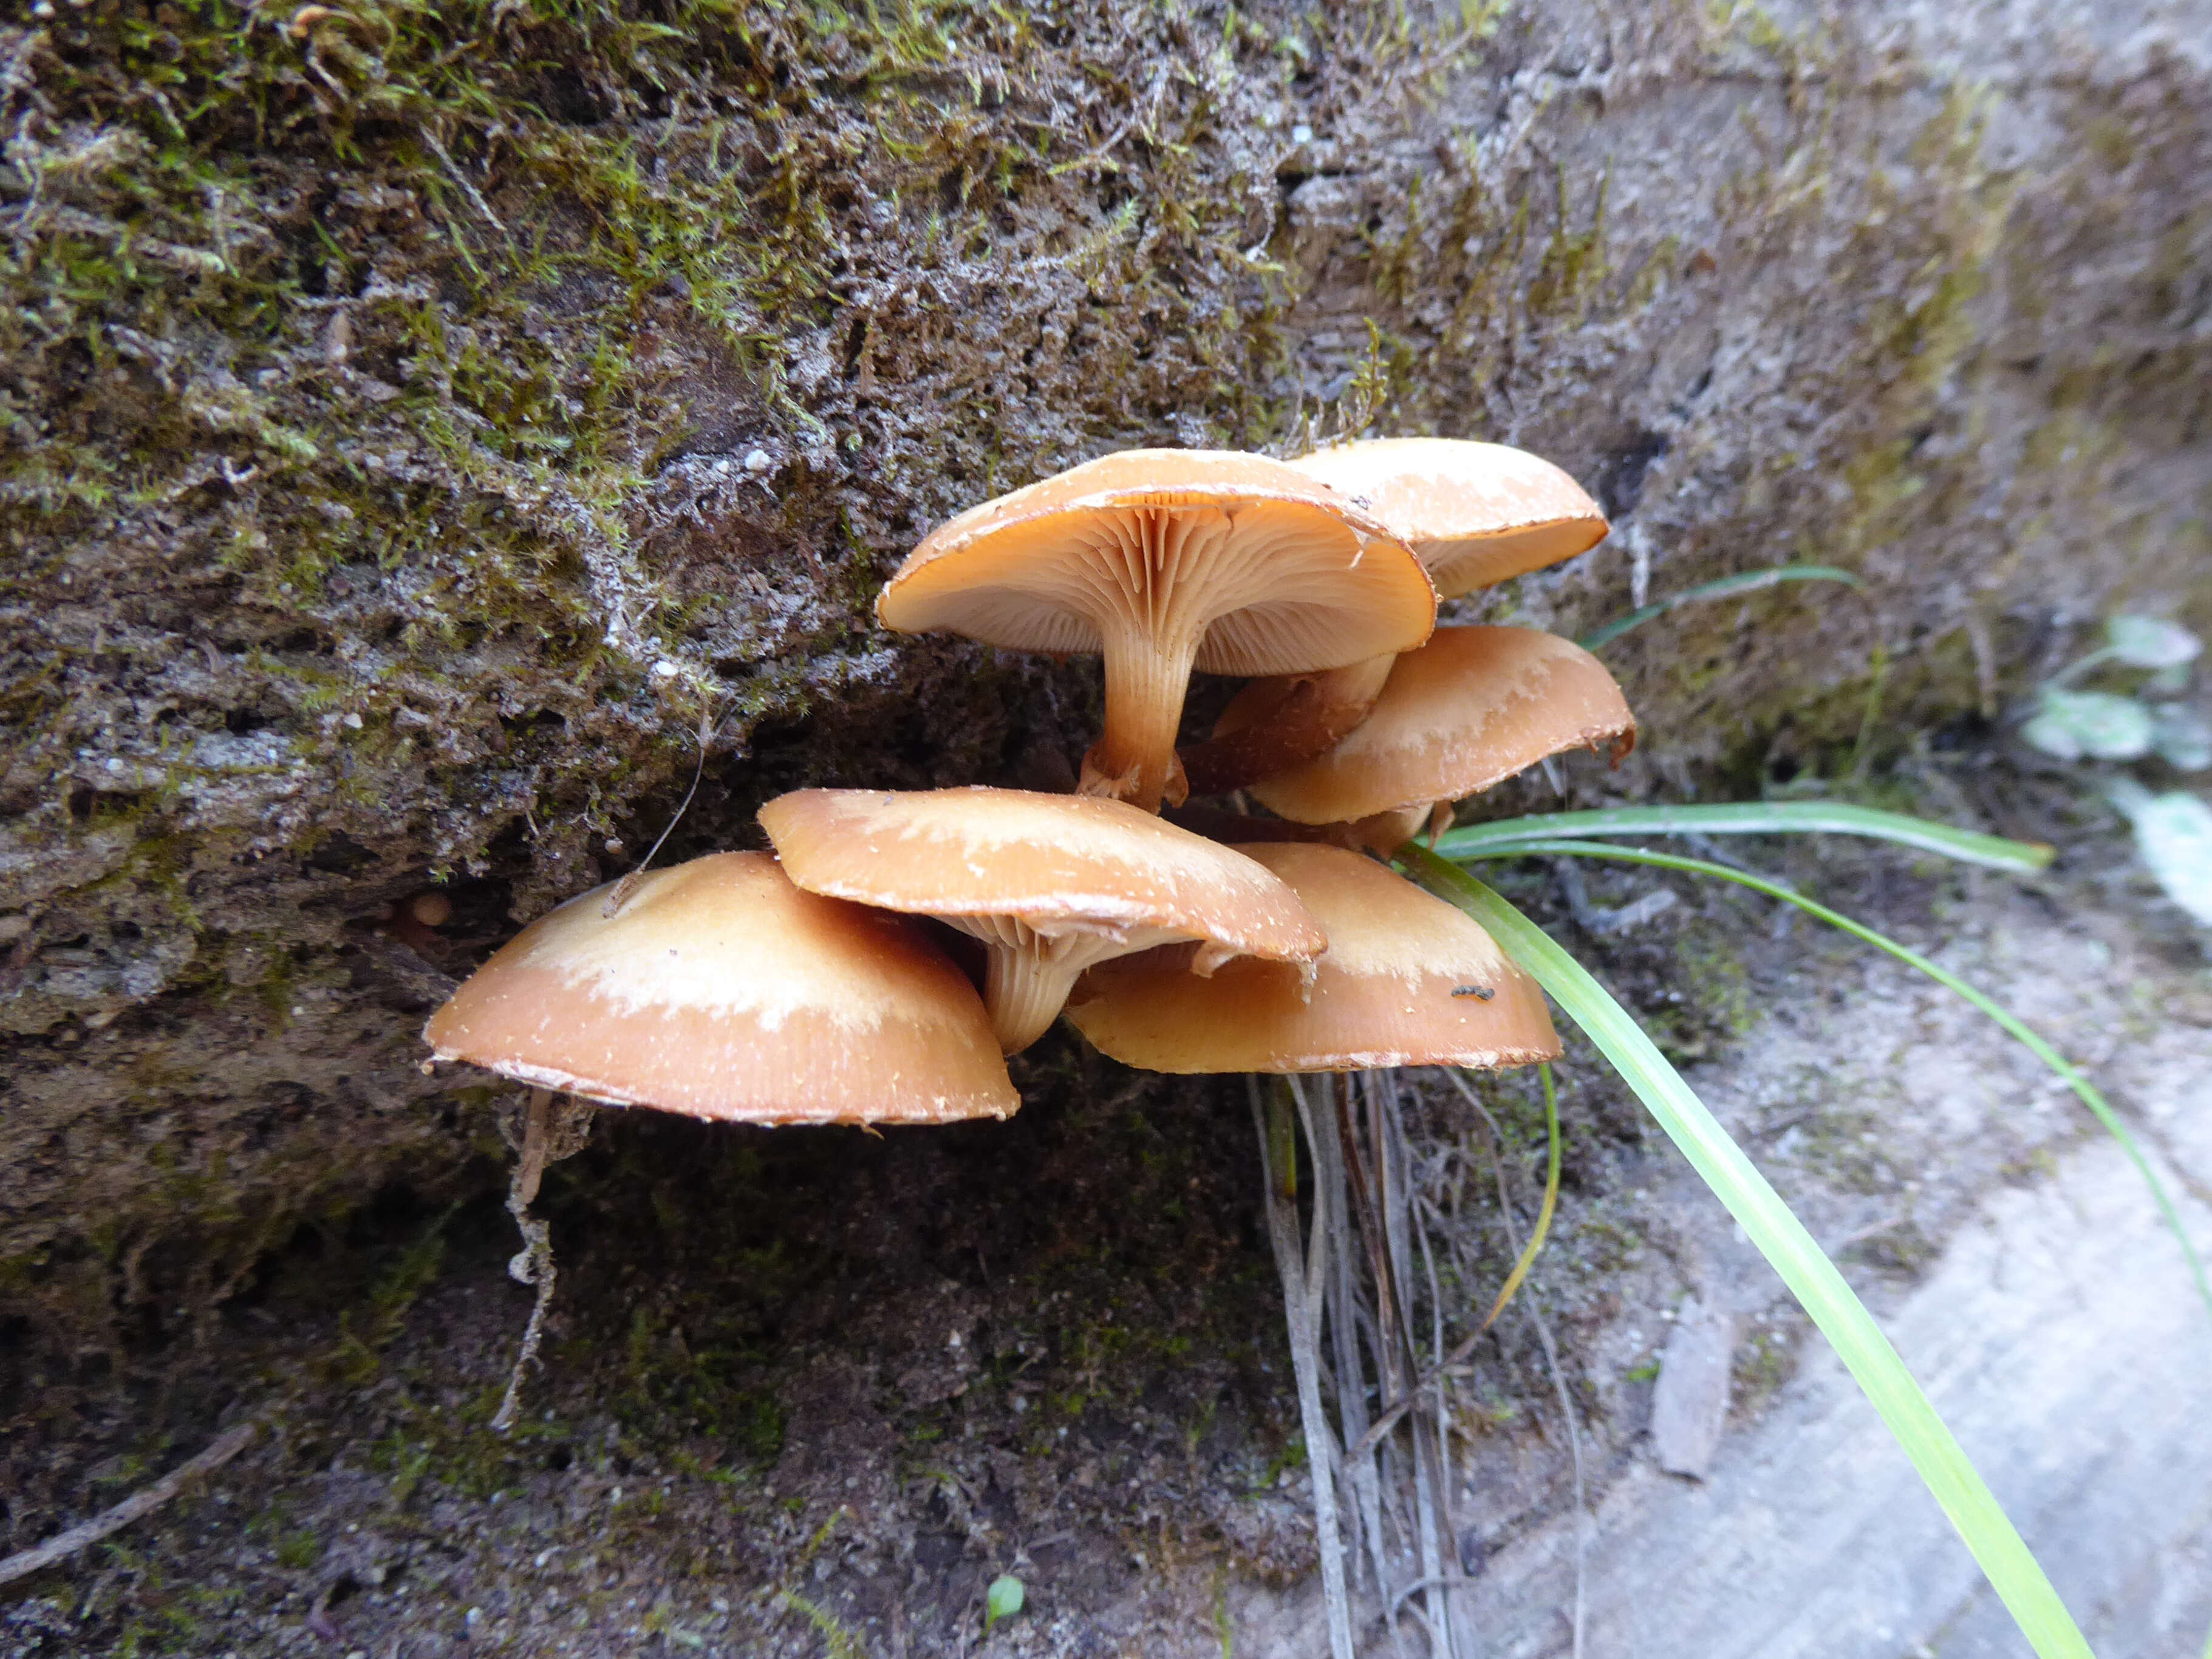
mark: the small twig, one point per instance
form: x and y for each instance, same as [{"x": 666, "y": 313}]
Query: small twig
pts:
[
  {"x": 1864, "y": 1233},
  {"x": 1570, "y": 877},
  {"x": 1347, "y": 1316},
  {"x": 628, "y": 882},
  {"x": 1444, "y": 1581},
  {"x": 461, "y": 178},
  {"x": 1097, "y": 156},
  {"x": 143, "y": 1502},
  {"x": 1447, "y": 1364}
]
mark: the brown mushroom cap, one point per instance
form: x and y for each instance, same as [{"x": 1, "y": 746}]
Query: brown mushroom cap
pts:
[
  {"x": 1050, "y": 884},
  {"x": 1407, "y": 980},
  {"x": 719, "y": 990},
  {"x": 1164, "y": 559},
  {"x": 1475, "y": 513},
  {"x": 1281, "y": 722},
  {"x": 1472, "y": 706}
]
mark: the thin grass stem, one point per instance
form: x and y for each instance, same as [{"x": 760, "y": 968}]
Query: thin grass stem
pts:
[
  {"x": 1748, "y": 582},
  {"x": 1301, "y": 1306},
  {"x": 1544, "y": 1214},
  {"x": 1551, "y": 1357}
]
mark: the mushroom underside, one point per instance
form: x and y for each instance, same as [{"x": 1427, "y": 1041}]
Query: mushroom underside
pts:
[
  {"x": 1263, "y": 587},
  {"x": 1032, "y": 969}
]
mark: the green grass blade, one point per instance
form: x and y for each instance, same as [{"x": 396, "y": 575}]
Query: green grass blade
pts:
[
  {"x": 2021, "y": 1032},
  {"x": 1748, "y": 582},
  {"x": 1750, "y": 819},
  {"x": 1811, "y": 1277},
  {"x": 1544, "y": 1213}
]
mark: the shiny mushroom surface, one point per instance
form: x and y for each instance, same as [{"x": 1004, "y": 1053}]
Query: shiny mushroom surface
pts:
[
  {"x": 1474, "y": 514},
  {"x": 1051, "y": 884},
  {"x": 1407, "y": 980},
  {"x": 717, "y": 989},
  {"x": 1469, "y": 709}
]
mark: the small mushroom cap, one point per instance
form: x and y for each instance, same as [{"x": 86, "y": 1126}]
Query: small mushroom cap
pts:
[
  {"x": 719, "y": 990},
  {"x": 1402, "y": 984},
  {"x": 1475, "y": 513},
  {"x": 1284, "y": 721},
  {"x": 1317, "y": 582},
  {"x": 1054, "y": 862},
  {"x": 1471, "y": 708}
]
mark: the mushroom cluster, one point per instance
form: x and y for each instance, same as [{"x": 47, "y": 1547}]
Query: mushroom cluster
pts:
[{"x": 805, "y": 986}]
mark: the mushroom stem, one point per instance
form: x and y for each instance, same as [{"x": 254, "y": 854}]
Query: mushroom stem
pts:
[
  {"x": 1134, "y": 758},
  {"x": 1287, "y": 722},
  {"x": 1025, "y": 992},
  {"x": 1030, "y": 975},
  {"x": 1384, "y": 833}
]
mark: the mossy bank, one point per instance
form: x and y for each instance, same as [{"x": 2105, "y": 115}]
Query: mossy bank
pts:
[{"x": 419, "y": 424}]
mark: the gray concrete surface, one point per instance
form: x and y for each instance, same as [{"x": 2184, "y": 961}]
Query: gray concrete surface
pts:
[{"x": 2060, "y": 1337}]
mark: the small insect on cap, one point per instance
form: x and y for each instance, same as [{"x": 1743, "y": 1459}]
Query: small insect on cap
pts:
[
  {"x": 1467, "y": 710},
  {"x": 1402, "y": 983},
  {"x": 719, "y": 990},
  {"x": 1050, "y": 884},
  {"x": 1164, "y": 559},
  {"x": 1474, "y": 514}
]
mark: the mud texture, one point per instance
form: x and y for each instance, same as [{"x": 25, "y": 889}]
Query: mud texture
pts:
[{"x": 418, "y": 424}]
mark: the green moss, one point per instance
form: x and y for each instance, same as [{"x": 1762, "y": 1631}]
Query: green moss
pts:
[
  {"x": 364, "y": 1334},
  {"x": 299, "y": 1549},
  {"x": 703, "y": 1393},
  {"x": 480, "y": 273},
  {"x": 1764, "y": 1361},
  {"x": 1702, "y": 1001}
]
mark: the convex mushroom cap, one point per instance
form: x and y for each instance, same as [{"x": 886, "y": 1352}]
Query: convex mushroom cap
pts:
[
  {"x": 1474, "y": 514},
  {"x": 1469, "y": 709},
  {"x": 1164, "y": 559},
  {"x": 719, "y": 990},
  {"x": 1407, "y": 980},
  {"x": 1050, "y": 884},
  {"x": 1281, "y": 722}
]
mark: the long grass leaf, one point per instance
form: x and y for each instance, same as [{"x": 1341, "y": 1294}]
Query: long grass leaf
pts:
[
  {"x": 1750, "y": 819},
  {"x": 1544, "y": 1212},
  {"x": 1811, "y": 1277},
  {"x": 2025, "y": 1035},
  {"x": 1748, "y": 582}
]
